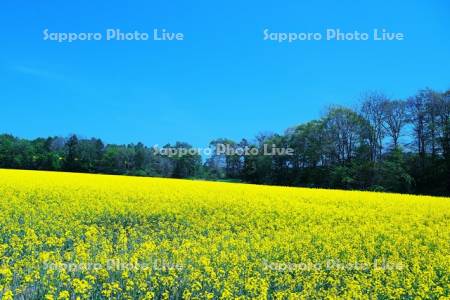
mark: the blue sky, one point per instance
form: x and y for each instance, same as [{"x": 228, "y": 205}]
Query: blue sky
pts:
[{"x": 223, "y": 80}]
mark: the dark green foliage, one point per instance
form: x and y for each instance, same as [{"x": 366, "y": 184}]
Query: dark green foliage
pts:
[
  {"x": 92, "y": 156},
  {"x": 386, "y": 145},
  {"x": 393, "y": 175}
]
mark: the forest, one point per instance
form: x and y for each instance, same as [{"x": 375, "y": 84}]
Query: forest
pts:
[{"x": 382, "y": 144}]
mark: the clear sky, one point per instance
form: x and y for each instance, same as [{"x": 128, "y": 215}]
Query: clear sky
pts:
[{"x": 222, "y": 80}]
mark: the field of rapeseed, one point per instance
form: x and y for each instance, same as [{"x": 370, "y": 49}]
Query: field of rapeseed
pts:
[{"x": 78, "y": 236}]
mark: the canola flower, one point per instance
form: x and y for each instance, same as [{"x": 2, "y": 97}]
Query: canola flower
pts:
[{"x": 80, "y": 236}]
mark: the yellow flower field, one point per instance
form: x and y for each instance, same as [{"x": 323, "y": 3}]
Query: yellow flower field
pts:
[{"x": 79, "y": 236}]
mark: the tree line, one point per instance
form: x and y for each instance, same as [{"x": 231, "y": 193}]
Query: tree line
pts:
[{"x": 394, "y": 145}]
